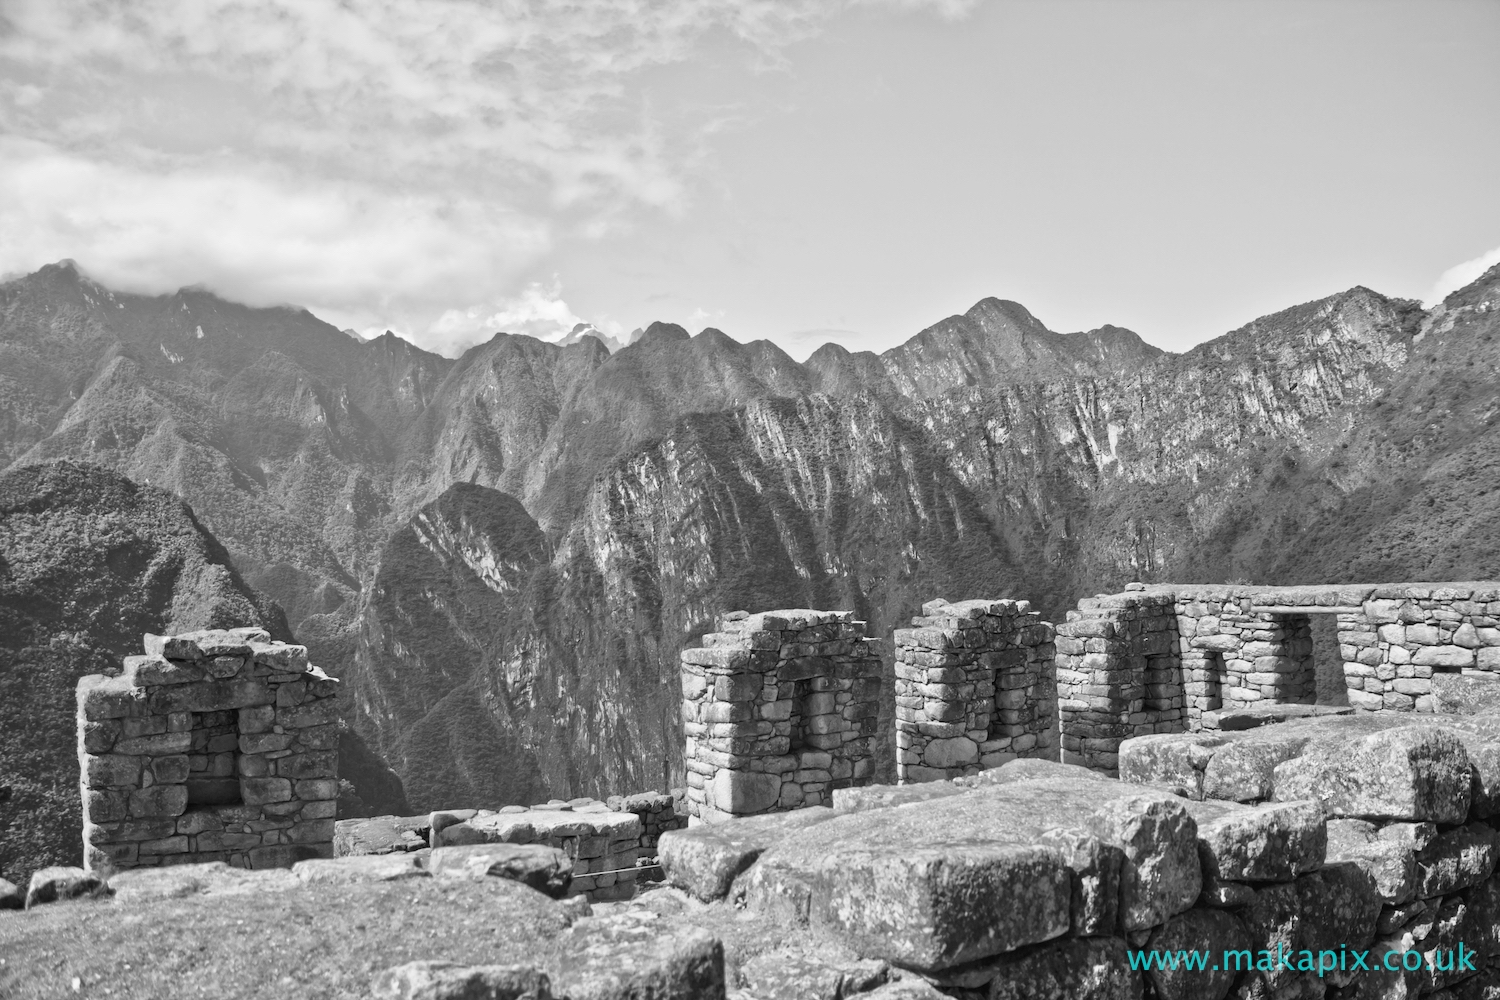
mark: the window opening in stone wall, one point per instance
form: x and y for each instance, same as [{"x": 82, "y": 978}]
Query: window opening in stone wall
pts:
[
  {"x": 1298, "y": 683},
  {"x": 802, "y": 691},
  {"x": 1328, "y": 661},
  {"x": 213, "y": 760}
]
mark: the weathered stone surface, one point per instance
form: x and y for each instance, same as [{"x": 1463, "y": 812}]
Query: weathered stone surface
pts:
[
  {"x": 11, "y": 896},
  {"x": 704, "y": 860},
  {"x": 1159, "y": 873},
  {"x": 1078, "y": 968},
  {"x": 632, "y": 957},
  {"x": 1029, "y": 769},
  {"x": 451, "y": 981},
  {"x": 1456, "y": 860},
  {"x": 1147, "y": 846},
  {"x": 380, "y": 835},
  {"x": 929, "y": 908},
  {"x": 136, "y": 885},
  {"x": 742, "y": 792},
  {"x": 545, "y": 869},
  {"x": 1275, "y": 842},
  {"x": 1322, "y": 910},
  {"x": 1411, "y": 773},
  {"x": 59, "y": 882},
  {"x": 1244, "y": 771},
  {"x": 865, "y": 797},
  {"x": 1199, "y": 931},
  {"x": 361, "y": 868},
  {"x": 1466, "y": 694},
  {"x": 1390, "y": 864},
  {"x": 796, "y": 974},
  {"x": 1176, "y": 760},
  {"x": 906, "y": 988}
]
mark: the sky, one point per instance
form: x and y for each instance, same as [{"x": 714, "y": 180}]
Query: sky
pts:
[{"x": 797, "y": 170}]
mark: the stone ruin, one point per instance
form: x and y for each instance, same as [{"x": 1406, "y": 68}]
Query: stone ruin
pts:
[
  {"x": 214, "y": 746},
  {"x": 1170, "y": 658},
  {"x": 778, "y": 709},
  {"x": 1316, "y": 839},
  {"x": 974, "y": 689}
]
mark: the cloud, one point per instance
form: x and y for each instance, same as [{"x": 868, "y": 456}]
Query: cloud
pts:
[
  {"x": 1460, "y": 275},
  {"x": 393, "y": 161}
]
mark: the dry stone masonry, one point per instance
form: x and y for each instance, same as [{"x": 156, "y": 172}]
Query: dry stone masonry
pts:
[
  {"x": 590, "y": 834},
  {"x": 974, "y": 688},
  {"x": 1338, "y": 834},
  {"x": 779, "y": 709},
  {"x": 1165, "y": 658},
  {"x": 214, "y": 746}
]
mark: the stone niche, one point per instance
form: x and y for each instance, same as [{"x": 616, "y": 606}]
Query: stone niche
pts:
[
  {"x": 778, "y": 709},
  {"x": 975, "y": 688},
  {"x": 214, "y": 746}
]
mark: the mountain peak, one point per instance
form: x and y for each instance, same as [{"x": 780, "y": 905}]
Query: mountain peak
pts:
[{"x": 661, "y": 333}]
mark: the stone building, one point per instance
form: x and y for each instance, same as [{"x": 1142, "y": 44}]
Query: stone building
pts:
[
  {"x": 974, "y": 688},
  {"x": 1160, "y": 659},
  {"x": 778, "y": 709},
  {"x": 214, "y": 746}
]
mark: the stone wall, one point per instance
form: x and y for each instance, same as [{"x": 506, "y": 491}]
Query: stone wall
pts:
[
  {"x": 1156, "y": 659},
  {"x": 778, "y": 709},
  {"x": 214, "y": 746},
  {"x": 589, "y": 838},
  {"x": 1336, "y": 836},
  {"x": 974, "y": 688}
]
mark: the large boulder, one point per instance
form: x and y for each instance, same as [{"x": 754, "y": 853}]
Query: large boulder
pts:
[
  {"x": 360, "y": 868},
  {"x": 704, "y": 860},
  {"x": 380, "y": 835},
  {"x": 1411, "y": 773},
  {"x": 59, "y": 882},
  {"x": 1053, "y": 849},
  {"x": 545, "y": 869}
]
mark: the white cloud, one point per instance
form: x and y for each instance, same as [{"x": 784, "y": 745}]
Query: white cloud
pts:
[
  {"x": 1460, "y": 275},
  {"x": 390, "y": 161}
]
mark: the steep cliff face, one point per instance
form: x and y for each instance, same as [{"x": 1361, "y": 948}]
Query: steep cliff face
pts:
[{"x": 446, "y": 603}]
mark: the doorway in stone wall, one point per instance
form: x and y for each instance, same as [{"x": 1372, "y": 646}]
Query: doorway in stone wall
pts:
[
  {"x": 213, "y": 760},
  {"x": 1328, "y": 661}
]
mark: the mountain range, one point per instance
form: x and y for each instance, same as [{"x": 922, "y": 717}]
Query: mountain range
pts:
[{"x": 501, "y": 554}]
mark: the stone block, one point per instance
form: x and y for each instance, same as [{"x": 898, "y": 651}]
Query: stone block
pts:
[
  {"x": 1199, "y": 931},
  {"x": 431, "y": 980},
  {"x": 705, "y": 860},
  {"x": 255, "y": 791},
  {"x": 1456, "y": 859},
  {"x": 934, "y": 907},
  {"x": 744, "y": 792},
  {"x": 362, "y": 868},
  {"x": 59, "y": 882},
  {"x": 1266, "y": 843},
  {"x": 1410, "y": 773},
  {"x": 545, "y": 869},
  {"x": 1390, "y": 865},
  {"x": 1096, "y": 968}
]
